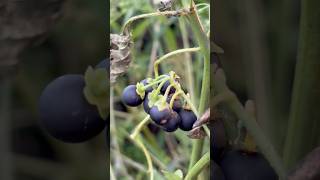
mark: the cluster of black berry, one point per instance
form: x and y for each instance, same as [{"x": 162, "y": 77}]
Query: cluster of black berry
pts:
[
  {"x": 162, "y": 101},
  {"x": 65, "y": 111}
]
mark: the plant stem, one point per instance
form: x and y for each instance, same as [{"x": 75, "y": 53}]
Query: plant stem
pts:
[
  {"x": 138, "y": 141},
  {"x": 153, "y": 83},
  {"x": 204, "y": 44},
  {"x": 180, "y": 12},
  {"x": 188, "y": 64},
  {"x": 114, "y": 141},
  {"x": 113, "y": 177},
  {"x": 138, "y": 128},
  {"x": 197, "y": 168},
  {"x": 304, "y": 125},
  {"x": 173, "y": 53},
  {"x": 251, "y": 125}
]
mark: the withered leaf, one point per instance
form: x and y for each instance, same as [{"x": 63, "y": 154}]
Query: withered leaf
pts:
[
  {"x": 204, "y": 119},
  {"x": 197, "y": 133},
  {"x": 119, "y": 55}
]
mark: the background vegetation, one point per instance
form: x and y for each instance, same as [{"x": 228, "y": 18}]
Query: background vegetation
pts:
[{"x": 77, "y": 40}]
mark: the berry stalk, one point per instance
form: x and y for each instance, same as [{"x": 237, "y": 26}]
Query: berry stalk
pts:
[
  {"x": 173, "y": 53},
  {"x": 204, "y": 44},
  {"x": 197, "y": 168},
  {"x": 181, "y": 12}
]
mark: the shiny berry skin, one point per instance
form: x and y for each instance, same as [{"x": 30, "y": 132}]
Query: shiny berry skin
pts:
[
  {"x": 237, "y": 165},
  {"x": 165, "y": 86},
  {"x": 159, "y": 117},
  {"x": 173, "y": 122},
  {"x": 177, "y": 103},
  {"x": 187, "y": 119},
  {"x": 145, "y": 82},
  {"x": 130, "y": 96},
  {"x": 66, "y": 114}
]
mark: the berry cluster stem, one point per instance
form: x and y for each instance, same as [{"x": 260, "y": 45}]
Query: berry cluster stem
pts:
[
  {"x": 153, "y": 83},
  {"x": 136, "y": 138},
  {"x": 173, "y": 53}
]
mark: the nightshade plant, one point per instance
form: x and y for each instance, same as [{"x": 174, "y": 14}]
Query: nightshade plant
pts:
[{"x": 163, "y": 98}]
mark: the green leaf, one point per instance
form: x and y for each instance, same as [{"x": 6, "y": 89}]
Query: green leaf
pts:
[{"x": 177, "y": 175}]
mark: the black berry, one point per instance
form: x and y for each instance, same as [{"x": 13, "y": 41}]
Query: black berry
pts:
[
  {"x": 130, "y": 96},
  {"x": 66, "y": 114},
  {"x": 172, "y": 123},
  {"x": 237, "y": 165},
  {"x": 145, "y": 82},
  {"x": 165, "y": 86},
  {"x": 177, "y": 103},
  {"x": 187, "y": 119},
  {"x": 160, "y": 117}
]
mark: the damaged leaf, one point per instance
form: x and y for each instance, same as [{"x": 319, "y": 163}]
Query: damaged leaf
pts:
[{"x": 119, "y": 55}]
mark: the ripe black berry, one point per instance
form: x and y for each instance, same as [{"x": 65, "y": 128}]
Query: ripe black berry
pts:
[
  {"x": 160, "y": 117},
  {"x": 130, "y": 96},
  {"x": 237, "y": 165},
  {"x": 145, "y": 82},
  {"x": 66, "y": 114},
  {"x": 165, "y": 86},
  {"x": 173, "y": 122},
  {"x": 187, "y": 119},
  {"x": 177, "y": 103}
]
